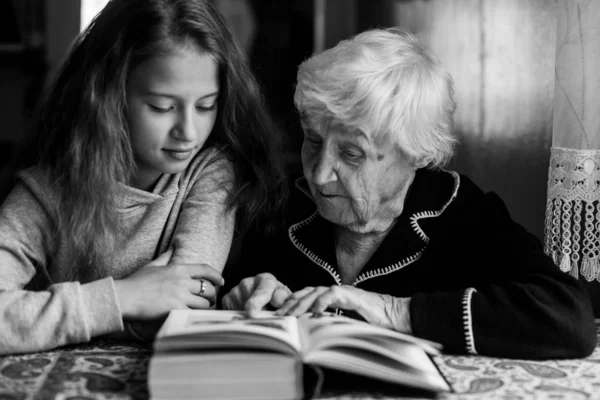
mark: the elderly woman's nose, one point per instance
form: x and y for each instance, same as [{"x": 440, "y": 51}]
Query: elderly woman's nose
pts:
[{"x": 323, "y": 171}]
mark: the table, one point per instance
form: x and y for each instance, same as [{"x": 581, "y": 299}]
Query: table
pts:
[{"x": 118, "y": 370}]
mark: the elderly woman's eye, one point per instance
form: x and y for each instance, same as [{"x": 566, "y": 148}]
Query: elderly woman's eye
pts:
[
  {"x": 351, "y": 155},
  {"x": 313, "y": 140}
]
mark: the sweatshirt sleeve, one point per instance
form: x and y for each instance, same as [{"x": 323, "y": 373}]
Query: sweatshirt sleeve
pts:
[
  {"x": 205, "y": 226},
  {"x": 514, "y": 302},
  {"x": 62, "y": 313}
]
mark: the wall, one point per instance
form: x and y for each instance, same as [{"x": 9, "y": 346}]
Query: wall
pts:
[
  {"x": 334, "y": 20},
  {"x": 501, "y": 55},
  {"x": 63, "y": 23}
]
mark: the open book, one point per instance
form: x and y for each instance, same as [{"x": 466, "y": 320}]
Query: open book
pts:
[{"x": 224, "y": 355}]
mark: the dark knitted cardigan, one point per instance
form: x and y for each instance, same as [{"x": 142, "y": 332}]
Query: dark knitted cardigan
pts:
[{"x": 479, "y": 282}]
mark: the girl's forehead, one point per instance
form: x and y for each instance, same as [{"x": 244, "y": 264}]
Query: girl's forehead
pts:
[{"x": 186, "y": 67}]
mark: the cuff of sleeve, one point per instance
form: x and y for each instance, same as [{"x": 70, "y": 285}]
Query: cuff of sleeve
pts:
[
  {"x": 101, "y": 305},
  {"x": 439, "y": 317}
]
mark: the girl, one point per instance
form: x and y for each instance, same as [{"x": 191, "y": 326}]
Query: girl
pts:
[{"x": 150, "y": 139}]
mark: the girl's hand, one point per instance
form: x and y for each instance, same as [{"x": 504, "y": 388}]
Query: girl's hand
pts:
[
  {"x": 377, "y": 309},
  {"x": 155, "y": 289}
]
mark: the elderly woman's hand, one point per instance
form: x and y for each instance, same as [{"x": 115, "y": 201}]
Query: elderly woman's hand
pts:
[
  {"x": 254, "y": 293},
  {"x": 377, "y": 309}
]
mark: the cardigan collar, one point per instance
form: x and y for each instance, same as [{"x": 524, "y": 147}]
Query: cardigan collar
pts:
[{"x": 429, "y": 195}]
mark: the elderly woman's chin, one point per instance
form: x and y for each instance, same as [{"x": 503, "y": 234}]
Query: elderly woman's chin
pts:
[
  {"x": 335, "y": 209},
  {"x": 339, "y": 211}
]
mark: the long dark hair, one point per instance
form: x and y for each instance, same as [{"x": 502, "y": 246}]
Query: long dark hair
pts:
[{"x": 81, "y": 132}]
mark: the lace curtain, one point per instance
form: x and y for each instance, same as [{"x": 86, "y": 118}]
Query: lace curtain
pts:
[{"x": 572, "y": 224}]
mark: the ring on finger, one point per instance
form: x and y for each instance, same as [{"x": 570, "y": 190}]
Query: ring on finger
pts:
[{"x": 202, "y": 287}]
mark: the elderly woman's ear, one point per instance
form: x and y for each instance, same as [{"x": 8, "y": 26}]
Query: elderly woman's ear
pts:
[{"x": 422, "y": 162}]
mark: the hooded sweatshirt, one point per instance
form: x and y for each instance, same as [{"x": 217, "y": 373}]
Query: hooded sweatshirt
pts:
[{"x": 41, "y": 307}]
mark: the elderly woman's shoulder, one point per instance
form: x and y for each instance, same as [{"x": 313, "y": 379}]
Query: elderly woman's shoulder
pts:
[
  {"x": 442, "y": 181},
  {"x": 450, "y": 208},
  {"x": 449, "y": 192}
]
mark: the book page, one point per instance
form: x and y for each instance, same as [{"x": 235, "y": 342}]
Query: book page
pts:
[
  {"x": 358, "y": 347},
  {"x": 326, "y": 326},
  {"x": 220, "y": 329},
  {"x": 416, "y": 371}
]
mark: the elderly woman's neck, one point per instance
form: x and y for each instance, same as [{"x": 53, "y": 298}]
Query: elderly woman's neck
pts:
[
  {"x": 354, "y": 241},
  {"x": 354, "y": 249}
]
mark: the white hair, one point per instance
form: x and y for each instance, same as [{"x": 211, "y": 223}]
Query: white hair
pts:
[{"x": 385, "y": 83}]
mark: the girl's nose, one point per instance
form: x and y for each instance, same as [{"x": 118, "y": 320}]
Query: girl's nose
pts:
[{"x": 184, "y": 129}]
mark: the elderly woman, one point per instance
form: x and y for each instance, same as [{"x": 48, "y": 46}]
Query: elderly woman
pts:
[{"x": 378, "y": 230}]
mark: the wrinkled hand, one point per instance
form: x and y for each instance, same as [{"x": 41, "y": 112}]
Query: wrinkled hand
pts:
[
  {"x": 254, "y": 293},
  {"x": 378, "y": 309},
  {"x": 157, "y": 288}
]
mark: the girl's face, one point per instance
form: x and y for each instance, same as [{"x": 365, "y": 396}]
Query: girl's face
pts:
[
  {"x": 172, "y": 107},
  {"x": 357, "y": 183}
]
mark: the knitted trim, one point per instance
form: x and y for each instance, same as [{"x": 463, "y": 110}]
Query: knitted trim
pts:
[
  {"x": 312, "y": 256},
  {"x": 379, "y": 271},
  {"x": 468, "y": 321},
  {"x": 414, "y": 220},
  {"x": 389, "y": 269},
  {"x": 299, "y": 185},
  {"x": 415, "y": 225}
]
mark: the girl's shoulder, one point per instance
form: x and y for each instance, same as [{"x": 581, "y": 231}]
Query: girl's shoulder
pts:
[
  {"x": 209, "y": 158},
  {"x": 37, "y": 180},
  {"x": 209, "y": 167},
  {"x": 32, "y": 188}
]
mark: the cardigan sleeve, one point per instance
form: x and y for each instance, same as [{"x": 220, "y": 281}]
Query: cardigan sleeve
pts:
[
  {"x": 514, "y": 301},
  {"x": 205, "y": 225},
  {"x": 63, "y": 313}
]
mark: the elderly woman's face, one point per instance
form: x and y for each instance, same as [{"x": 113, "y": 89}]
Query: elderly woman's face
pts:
[{"x": 356, "y": 182}]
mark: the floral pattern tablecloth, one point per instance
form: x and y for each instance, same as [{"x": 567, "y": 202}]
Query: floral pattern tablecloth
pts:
[{"x": 117, "y": 370}]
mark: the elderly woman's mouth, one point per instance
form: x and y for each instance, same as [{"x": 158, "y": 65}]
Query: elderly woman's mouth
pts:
[{"x": 329, "y": 195}]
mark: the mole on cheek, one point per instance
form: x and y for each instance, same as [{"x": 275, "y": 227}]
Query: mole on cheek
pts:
[{"x": 380, "y": 157}]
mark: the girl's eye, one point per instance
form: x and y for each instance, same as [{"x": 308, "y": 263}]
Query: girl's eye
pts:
[
  {"x": 206, "y": 108},
  {"x": 160, "y": 110}
]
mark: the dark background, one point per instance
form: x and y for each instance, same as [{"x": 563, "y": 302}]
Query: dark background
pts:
[{"x": 501, "y": 55}]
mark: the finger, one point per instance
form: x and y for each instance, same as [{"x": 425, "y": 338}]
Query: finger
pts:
[
  {"x": 227, "y": 302},
  {"x": 264, "y": 287},
  {"x": 304, "y": 304},
  {"x": 231, "y": 301},
  {"x": 245, "y": 287},
  {"x": 301, "y": 306},
  {"x": 204, "y": 271},
  {"x": 293, "y": 299},
  {"x": 328, "y": 299},
  {"x": 203, "y": 288},
  {"x": 301, "y": 293},
  {"x": 236, "y": 298},
  {"x": 336, "y": 297},
  {"x": 196, "y": 302},
  {"x": 280, "y": 295}
]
